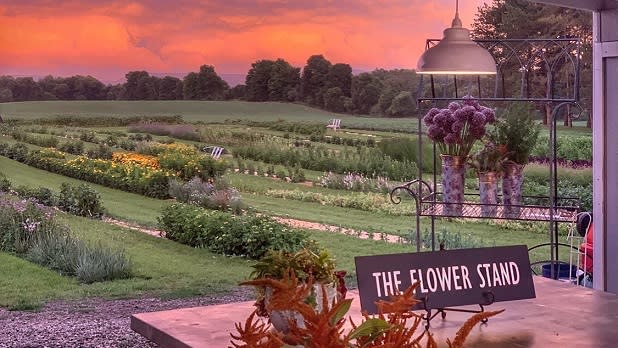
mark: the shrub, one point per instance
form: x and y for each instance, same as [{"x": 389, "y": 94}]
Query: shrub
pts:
[
  {"x": 5, "y": 183},
  {"x": 98, "y": 263},
  {"x": 206, "y": 194},
  {"x": 20, "y": 222},
  {"x": 103, "y": 151},
  {"x": 88, "y": 136},
  {"x": 75, "y": 147},
  {"x": 82, "y": 200},
  {"x": 17, "y": 151},
  {"x": 227, "y": 234}
]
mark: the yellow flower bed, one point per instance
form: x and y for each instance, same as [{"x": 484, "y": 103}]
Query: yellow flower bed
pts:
[{"x": 136, "y": 159}]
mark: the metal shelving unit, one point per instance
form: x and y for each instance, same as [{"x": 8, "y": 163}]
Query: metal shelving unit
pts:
[{"x": 559, "y": 59}]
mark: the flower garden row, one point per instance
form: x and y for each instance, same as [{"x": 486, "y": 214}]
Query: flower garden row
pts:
[{"x": 146, "y": 175}]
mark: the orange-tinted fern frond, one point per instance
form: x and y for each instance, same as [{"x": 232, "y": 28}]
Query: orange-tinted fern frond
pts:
[
  {"x": 400, "y": 303},
  {"x": 255, "y": 334},
  {"x": 464, "y": 331},
  {"x": 322, "y": 328}
]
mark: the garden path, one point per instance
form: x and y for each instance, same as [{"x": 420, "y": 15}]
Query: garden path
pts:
[{"x": 294, "y": 223}]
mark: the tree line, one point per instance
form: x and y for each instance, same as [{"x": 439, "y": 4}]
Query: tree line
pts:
[{"x": 321, "y": 84}]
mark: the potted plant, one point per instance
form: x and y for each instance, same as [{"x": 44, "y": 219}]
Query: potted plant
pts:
[
  {"x": 311, "y": 265},
  {"x": 488, "y": 163},
  {"x": 516, "y": 134},
  {"x": 455, "y": 130}
]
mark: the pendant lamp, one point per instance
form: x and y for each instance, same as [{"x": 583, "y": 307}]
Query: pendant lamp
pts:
[{"x": 456, "y": 54}]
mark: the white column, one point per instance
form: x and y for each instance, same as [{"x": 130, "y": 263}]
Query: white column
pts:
[{"x": 598, "y": 154}]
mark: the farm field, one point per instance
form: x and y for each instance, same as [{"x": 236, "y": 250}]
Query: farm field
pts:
[{"x": 279, "y": 161}]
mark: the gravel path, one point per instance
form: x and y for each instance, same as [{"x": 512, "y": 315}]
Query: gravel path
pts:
[{"x": 92, "y": 323}]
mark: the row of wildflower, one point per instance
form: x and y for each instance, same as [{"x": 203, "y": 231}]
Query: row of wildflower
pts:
[
  {"x": 136, "y": 159},
  {"x": 133, "y": 172}
]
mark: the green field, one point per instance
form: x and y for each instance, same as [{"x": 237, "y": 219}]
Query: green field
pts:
[
  {"x": 194, "y": 111},
  {"x": 168, "y": 269}
]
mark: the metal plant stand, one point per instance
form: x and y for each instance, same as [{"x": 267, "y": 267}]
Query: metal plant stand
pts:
[{"x": 519, "y": 63}]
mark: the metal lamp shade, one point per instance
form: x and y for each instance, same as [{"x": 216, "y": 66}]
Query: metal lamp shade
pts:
[{"x": 456, "y": 54}]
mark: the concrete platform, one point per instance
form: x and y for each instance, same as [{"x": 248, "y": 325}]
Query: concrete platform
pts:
[{"x": 562, "y": 315}]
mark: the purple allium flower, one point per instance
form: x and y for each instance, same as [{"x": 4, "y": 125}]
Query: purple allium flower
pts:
[
  {"x": 451, "y": 138},
  {"x": 435, "y": 133},
  {"x": 477, "y": 120},
  {"x": 440, "y": 119},
  {"x": 428, "y": 119},
  {"x": 468, "y": 100},
  {"x": 454, "y": 106},
  {"x": 457, "y": 127},
  {"x": 490, "y": 115}
]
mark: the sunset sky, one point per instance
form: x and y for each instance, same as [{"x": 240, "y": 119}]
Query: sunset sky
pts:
[{"x": 107, "y": 38}]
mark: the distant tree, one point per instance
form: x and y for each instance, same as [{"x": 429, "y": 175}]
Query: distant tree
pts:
[
  {"x": 402, "y": 105},
  {"x": 516, "y": 19},
  {"x": 116, "y": 92},
  {"x": 25, "y": 88},
  {"x": 314, "y": 80},
  {"x": 257, "y": 80},
  {"x": 366, "y": 90},
  {"x": 386, "y": 98},
  {"x": 284, "y": 81},
  {"x": 334, "y": 100},
  {"x": 140, "y": 86},
  {"x": 340, "y": 75},
  {"x": 168, "y": 88},
  {"x": 210, "y": 86},
  {"x": 6, "y": 95},
  {"x": 238, "y": 92},
  {"x": 190, "y": 86}
]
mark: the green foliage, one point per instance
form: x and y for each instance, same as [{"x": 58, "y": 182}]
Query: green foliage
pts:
[
  {"x": 71, "y": 257},
  {"x": 450, "y": 240},
  {"x": 88, "y": 136},
  {"x": 17, "y": 151},
  {"x": 102, "y": 151},
  {"x": 572, "y": 183},
  {"x": 5, "y": 183},
  {"x": 43, "y": 141},
  {"x": 488, "y": 159},
  {"x": 75, "y": 147},
  {"x": 371, "y": 202},
  {"x": 81, "y": 200},
  {"x": 369, "y": 162},
  {"x": 406, "y": 149},
  {"x": 220, "y": 232},
  {"x": 98, "y": 263},
  {"x": 517, "y": 130},
  {"x": 310, "y": 261}
]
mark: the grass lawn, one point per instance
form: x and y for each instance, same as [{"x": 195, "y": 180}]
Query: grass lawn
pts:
[{"x": 161, "y": 267}]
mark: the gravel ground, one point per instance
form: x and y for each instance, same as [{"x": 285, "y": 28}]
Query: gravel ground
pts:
[{"x": 92, "y": 323}]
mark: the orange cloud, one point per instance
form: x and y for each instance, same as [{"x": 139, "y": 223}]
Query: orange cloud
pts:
[{"x": 108, "y": 38}]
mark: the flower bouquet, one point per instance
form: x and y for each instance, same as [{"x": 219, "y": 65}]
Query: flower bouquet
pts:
[{"x": 455, "y": 130}]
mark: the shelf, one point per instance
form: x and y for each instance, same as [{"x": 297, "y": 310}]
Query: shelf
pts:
[
  {"x": 487, "y": 211},
  {"x": 533, "y": 208}
]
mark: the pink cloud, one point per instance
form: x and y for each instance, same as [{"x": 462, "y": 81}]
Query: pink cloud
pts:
[{"x": 112, "y": 37}]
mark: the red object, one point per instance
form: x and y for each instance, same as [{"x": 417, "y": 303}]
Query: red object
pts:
[{"x": 585, "y": 261}]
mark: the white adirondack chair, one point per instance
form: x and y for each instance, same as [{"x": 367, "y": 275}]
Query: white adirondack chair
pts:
[{"x": 334, "y": 124}]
